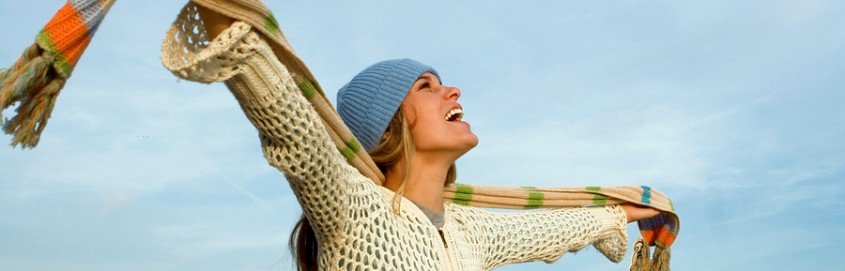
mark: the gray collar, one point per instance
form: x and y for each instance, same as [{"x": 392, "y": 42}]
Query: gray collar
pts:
[{"x": 436, "y": 218}]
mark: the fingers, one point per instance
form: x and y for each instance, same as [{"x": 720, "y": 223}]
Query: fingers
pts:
[{"x": 635, "y": 213}]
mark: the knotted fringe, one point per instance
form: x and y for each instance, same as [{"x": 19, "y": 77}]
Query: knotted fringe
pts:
[
  {"x": 660, "y": 262},
  {"x": 640, "y": 260},
  {"x": 37, "y": 77},
  {"x": 34, "y": 83}
]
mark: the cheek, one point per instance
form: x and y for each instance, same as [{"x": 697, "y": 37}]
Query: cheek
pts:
[
  {"x": 429, "y": 128},
  {"x": 426, "y": 127},
  {"x": 422, "y": 113},
  {"x": 428, "y": 131}
]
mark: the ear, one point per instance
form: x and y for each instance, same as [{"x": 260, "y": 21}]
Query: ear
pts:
[{"x": 383, "y": 136}]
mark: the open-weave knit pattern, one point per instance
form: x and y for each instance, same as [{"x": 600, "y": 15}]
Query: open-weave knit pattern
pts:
[
  {"x": 30, "y": 82},
  {"x": 255, "y": 13},
  {"x": 350, "y": 214},
  {"x": 659, "y": 231}
]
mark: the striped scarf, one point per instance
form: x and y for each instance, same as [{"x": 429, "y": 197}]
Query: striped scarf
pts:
[{"x": 36, "y": 78}]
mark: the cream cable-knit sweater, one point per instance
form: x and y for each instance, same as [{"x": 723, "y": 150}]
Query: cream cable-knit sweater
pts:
[{"x": 351, "y": 215}]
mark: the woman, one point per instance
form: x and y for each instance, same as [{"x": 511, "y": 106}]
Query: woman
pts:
[{"x": 411, "y": 125}]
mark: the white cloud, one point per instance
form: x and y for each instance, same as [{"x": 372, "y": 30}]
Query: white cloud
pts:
[
  {"x": 729, "y": 108},
  {"x": 119, "y": 199}
]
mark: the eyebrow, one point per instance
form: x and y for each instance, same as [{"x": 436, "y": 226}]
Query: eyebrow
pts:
[{"x": 429, "y": 76}]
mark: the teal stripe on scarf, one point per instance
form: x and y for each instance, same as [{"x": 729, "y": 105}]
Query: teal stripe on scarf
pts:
[{"x": 646, "y": 194}]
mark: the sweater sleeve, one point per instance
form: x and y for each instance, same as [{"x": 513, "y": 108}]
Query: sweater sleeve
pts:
[
  {"x": 545, "y": 235},
  {"x": 293, "y": 137}
]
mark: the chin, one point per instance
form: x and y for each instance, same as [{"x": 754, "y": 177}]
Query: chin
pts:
[
  {"x": 470, "y": 144},
  {"x": 474, "y": 142}
]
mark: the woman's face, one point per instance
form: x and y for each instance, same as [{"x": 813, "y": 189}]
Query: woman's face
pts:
[{"x": 435, "y": 115}]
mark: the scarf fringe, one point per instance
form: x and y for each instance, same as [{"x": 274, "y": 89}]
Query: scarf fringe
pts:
[
  {"x": 34, "y": 83},
  {"x": 37, "y": 77},
  {"x": 640, "y": 260},
  {"x": 660, "y": 262}
]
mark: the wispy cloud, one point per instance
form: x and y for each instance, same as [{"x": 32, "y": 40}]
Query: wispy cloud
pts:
[{"x": 733, "y": 109}]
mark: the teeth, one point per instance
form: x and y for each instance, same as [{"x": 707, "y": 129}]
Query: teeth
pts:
[{"x": 453, "y": 112}]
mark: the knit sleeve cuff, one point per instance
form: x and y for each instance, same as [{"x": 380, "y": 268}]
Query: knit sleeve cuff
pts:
[
  {"x": 188, "y": 54},
  {"x": 612, "y": 241}
]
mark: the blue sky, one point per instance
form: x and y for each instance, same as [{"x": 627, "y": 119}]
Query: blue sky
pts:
[{"x": 733, "y": 108}]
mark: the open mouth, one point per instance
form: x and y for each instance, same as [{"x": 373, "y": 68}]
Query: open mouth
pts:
[{"x": 455, "y": 115}]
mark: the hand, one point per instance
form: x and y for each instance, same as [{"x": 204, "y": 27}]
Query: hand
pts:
[
  {"x": 215, "y": 23},
  {"x": 634, "y": 212}
]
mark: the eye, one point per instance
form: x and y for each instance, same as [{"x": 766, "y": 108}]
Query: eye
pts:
[{"x": 425, "y": 85}]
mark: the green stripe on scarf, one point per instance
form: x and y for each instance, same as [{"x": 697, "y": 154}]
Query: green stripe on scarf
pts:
[
  {"x": 535, "y": 197},
  {"x": 271, "y": 24},
  {"x": 351, "y": 149},
  {"x": 306, "y": 87},
  {"x": 598, "y": 199},
  {"x": 463, "y": 194},
  {"x": 61, "y": 65}
]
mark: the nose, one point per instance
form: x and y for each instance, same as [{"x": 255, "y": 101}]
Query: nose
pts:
[{"x": 452, "y": 92}]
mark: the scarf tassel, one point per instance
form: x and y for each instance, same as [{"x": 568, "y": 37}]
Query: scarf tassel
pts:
[
  {"x": 640, "y": 261},
  {"x": 33, "y": 83}
]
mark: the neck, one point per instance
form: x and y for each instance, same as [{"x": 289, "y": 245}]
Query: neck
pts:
[{"x": 425, "y": 182}]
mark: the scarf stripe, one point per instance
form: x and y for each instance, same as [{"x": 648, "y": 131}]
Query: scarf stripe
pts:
[
  {"x": 69, "y": 32},
  {"x": 599, "y": 199},
  {"x": 307, "y": 89},
  {"x": 271, "y": 24},
  {"x": 463, "y": 194},
  {"x": 646, "y": 198}
]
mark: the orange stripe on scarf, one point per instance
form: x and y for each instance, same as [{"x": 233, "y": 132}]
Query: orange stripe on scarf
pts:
[{"x": 68, "y": 34}]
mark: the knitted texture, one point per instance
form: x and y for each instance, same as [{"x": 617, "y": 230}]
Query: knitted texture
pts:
[
  {"x": 31, "y": 82},
  {"x": 255, "y": 13},
  {"x": 350, "y": 214},
  {"x": 659, "y": 230},
  {"x": 34, "y": 81},
  {"x": 70, "y": 31},
  {"x": 368, "y": 102},
  {"x": 664, "y": 227}
]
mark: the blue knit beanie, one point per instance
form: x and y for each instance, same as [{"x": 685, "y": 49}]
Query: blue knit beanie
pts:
[{"x": 368, "y": 102}]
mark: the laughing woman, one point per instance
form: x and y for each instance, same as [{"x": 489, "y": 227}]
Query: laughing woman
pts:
[{"x": 411, "y": 125}]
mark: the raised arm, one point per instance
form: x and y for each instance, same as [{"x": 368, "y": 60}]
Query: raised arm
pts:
[
  {"x": 545, "y": 235},
  {"x": 292, "y": 135}
]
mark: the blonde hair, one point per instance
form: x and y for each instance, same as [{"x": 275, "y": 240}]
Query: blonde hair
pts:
[{"x": 396, "y": 145}]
